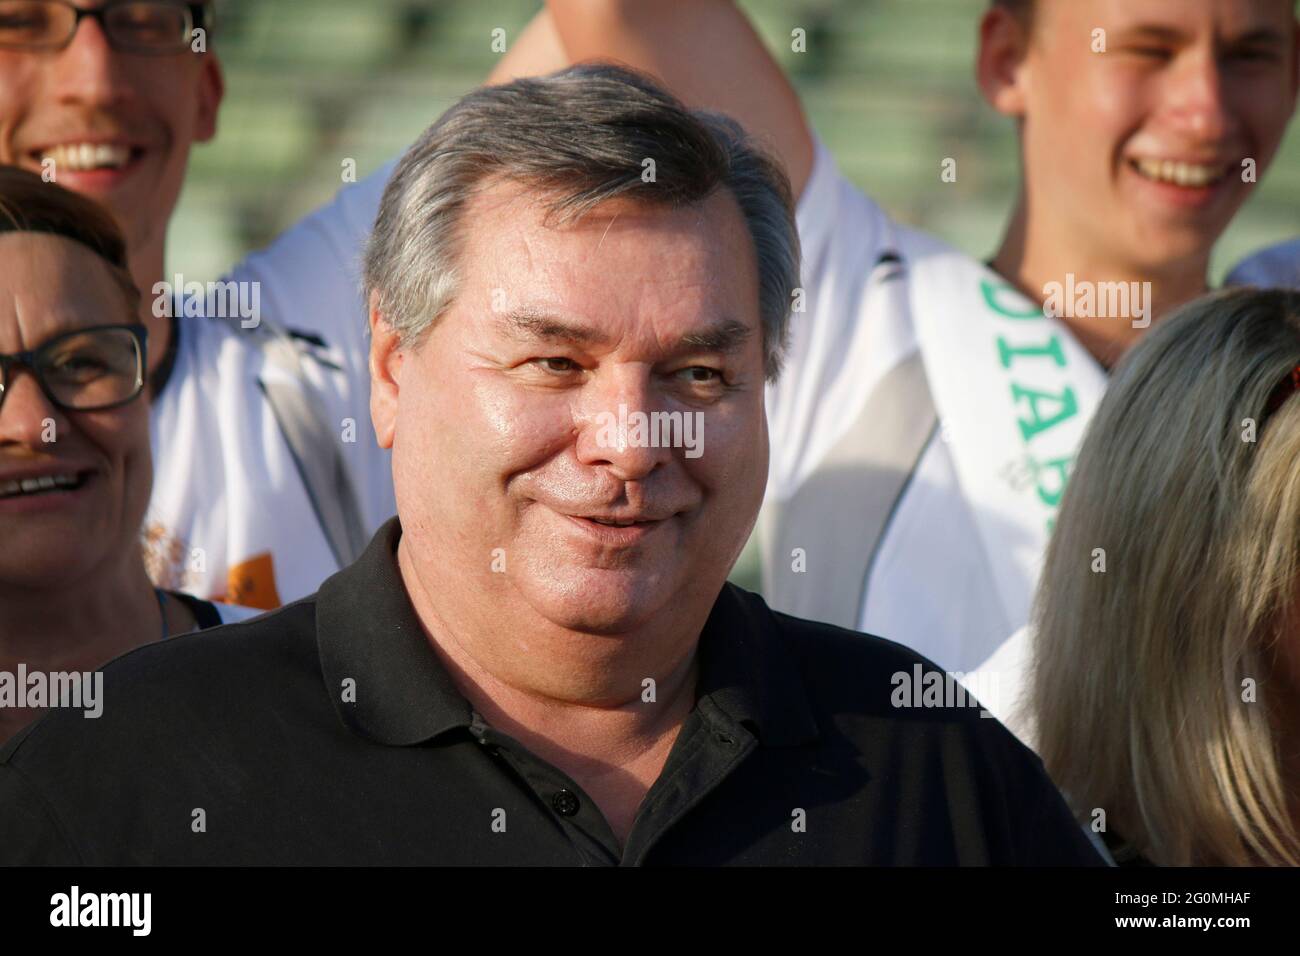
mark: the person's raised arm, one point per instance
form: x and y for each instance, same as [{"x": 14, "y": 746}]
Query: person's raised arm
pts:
[
  {"x": 706, "y": 52},
  {"x": 535, "y": 52}
]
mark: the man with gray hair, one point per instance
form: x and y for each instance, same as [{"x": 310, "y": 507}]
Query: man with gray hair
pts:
[{"x": 539, "y": 660}]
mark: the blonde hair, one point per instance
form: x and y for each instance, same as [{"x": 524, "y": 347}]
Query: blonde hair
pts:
[{"x": 1141, "y": 675}]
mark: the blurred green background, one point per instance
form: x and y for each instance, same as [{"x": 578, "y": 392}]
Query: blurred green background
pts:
[{"x": 888, "y": 84}]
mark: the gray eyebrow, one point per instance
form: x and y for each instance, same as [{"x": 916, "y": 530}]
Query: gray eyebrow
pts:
[
  {"x": 726, "y": 335},
  {"x": 530, "y": 323}
]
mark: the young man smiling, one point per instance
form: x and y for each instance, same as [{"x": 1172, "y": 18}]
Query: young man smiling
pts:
[{"x": 925, "y": 428}]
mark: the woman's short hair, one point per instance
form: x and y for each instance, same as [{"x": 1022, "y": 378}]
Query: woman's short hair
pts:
[
  {"x": 30, "y": 204},
  {"x": 1167, "y": 585}
]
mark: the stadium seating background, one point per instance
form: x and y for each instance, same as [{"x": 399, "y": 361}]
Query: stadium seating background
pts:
[{"x": 887, "y": 84}]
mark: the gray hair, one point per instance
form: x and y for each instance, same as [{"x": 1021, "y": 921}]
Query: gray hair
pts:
[{"x": 580, "y": 136}]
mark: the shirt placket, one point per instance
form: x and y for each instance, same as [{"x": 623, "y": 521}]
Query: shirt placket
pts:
[
  {"x": 573, "y": 812},
  {"x": 710, "y": 747}
]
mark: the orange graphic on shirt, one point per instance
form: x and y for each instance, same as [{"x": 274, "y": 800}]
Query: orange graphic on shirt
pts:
[
  {"x": 164, "y": 558},
  {"x": 252, "y": 583}
]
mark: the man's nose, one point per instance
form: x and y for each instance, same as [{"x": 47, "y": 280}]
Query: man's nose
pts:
[
  {"x": 88, "y": 70},
  {"x": 618, "y": 428},
  {"x": 1200, "y": 100},
  {"x": 26, "y": 414}
]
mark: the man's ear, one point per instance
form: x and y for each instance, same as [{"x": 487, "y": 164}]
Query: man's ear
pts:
[
  {"x": 386, "y": 356},
  {"x": 212, "y": 89},
  {"x": 999, "y": 65}
]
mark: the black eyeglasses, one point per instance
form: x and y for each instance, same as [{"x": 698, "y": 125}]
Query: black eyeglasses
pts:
[
  {"x": 132, "y": 26},
  {"x": 87, "y": 370}
]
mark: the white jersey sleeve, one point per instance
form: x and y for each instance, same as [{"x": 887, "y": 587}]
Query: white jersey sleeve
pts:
[
  {"x": 231, "y": 517},
  {"x": 234, "y": 613},
  {"x": 1275, "y": 267},
  {"x": 848, "y": 327},
  {"x": 310, "y": 284},
  {"x": 930, "y": 585}
]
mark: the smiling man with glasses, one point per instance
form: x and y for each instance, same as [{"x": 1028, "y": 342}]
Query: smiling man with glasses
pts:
[{"x": 107, "y": 100}]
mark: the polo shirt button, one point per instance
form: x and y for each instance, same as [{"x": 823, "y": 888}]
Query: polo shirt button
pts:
[
  {"x": 565, "y": 803},
  {"x": 725, "y": 739}
]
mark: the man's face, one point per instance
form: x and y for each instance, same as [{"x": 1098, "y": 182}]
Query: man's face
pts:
[
  {"x": 1139, "y": 150},
  {"x": 505, "y": 421},
  {"x": 137, "y": 113},
  {"x": 48, "y": 286}
]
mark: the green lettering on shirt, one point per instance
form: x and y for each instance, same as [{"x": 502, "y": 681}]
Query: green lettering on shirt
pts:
[
  {"x": 1051, "y": 349},
  {"x": 1052, "y": 495},
  {"x": 1066, "y": 407},
  {"x": 991, "y": 290}
]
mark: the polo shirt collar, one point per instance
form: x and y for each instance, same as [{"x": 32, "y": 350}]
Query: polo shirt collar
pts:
[
  {"x": 748, "y": 672},
  {"x": 368, "y": 632}
]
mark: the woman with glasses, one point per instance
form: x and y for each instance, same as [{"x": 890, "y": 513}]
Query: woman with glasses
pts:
[
  {"x": 1166, "y": 659},
  {"x": 75, "y": 466}
]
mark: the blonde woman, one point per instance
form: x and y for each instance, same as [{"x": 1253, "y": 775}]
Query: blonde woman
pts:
[{"x": 1165, "y": 692}]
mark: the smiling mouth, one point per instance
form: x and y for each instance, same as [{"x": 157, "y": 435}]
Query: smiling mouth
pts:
[
  {"x": 618, "y": 532},
  {"x": 1187, "y": 175},
  {"x": 612, "y": 523},
  {"x": 88, "y": 157},
  {"x": 44, "y": 485}
]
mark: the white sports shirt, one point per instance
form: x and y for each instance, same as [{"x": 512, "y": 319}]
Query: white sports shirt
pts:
[
  {"x": 230, "y": 517},
  {"x": 939, "y": 583}
]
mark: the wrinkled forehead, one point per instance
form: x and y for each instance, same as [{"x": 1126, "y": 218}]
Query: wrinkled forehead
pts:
[
  {"x": 50, "y": 284},
  {"x": 713, "y": 221},
  {"x": 622, "y": 259}
]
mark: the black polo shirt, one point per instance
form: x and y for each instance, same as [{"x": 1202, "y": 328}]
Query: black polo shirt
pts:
[{"x": 244, "y": 745}]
